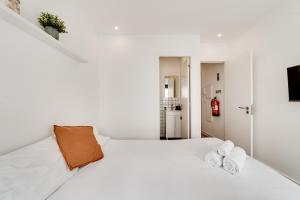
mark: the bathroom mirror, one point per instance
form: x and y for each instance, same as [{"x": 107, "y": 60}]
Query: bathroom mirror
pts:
[{"x": 170, "y": 86}]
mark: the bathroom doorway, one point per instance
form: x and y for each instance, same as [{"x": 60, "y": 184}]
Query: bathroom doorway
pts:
[
  {"x": 212, "y": 100},
  {"x": 174, "y": 82}
]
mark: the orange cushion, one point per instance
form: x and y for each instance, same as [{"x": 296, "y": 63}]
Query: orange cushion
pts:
[{"x": 78, "y": 145}]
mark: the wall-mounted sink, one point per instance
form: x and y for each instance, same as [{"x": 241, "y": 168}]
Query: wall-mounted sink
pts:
[{"x": 173, "y": 112}]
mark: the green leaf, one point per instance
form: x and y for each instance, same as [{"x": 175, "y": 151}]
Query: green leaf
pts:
[{"x": 47, "y": 19}]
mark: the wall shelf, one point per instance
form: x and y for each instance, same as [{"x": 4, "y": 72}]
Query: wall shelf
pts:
[{"x": 31, "y": 29}]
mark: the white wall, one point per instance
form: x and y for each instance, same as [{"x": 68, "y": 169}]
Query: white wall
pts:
[
  {"x": 212, "y": 52},
  {"x": 129, "y": 83},
  {"x": 81, "y": 38},
  {"x": 276, "y": 120},
  {"x": 214, "y": 126},
  {"x": 40, "y": 86}
]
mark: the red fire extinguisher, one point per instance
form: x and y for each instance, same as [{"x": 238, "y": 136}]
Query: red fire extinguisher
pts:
[{"x": 215, "y": 107}]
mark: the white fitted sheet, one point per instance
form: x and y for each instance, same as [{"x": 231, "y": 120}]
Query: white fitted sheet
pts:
[{"x": 172, "y": 170}]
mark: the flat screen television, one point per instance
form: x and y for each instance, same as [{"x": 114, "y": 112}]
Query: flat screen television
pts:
[{"x": 294, "y": 83}]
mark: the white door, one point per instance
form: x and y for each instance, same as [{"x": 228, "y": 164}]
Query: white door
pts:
[
  {"x": 239, "y": 100},
  {"x": 185, "y": 97}
]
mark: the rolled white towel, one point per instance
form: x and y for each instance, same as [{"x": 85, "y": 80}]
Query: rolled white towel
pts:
[
  {"x": 235, "y": 161},
  {"x": 225, "y": 148},
  {"x": 214, "y": 159}
]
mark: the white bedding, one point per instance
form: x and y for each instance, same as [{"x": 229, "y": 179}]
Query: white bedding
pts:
[
  {"x": 33, "y": 172},
  {"x": 172, "y": 170}
]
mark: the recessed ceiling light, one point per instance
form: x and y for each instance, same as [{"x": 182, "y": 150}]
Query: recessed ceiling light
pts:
[
  {"x": 220, "y": 35},
  {"x": 116, "y": 28}
]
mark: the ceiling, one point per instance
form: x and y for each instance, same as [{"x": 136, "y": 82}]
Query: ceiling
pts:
[{"x": 204, "y": 17}]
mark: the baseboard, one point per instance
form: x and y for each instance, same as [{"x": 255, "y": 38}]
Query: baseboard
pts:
[
  {"x": 164, "y": 138},
  {"x": 206, "y": 134}
]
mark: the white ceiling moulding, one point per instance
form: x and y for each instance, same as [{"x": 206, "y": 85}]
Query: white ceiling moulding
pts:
[{"x": 31, "y": 29}]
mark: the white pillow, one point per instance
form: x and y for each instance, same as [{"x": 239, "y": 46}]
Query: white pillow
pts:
[
  {"x": 101, "y": 139},
  {"x": 33, "y": 172}
]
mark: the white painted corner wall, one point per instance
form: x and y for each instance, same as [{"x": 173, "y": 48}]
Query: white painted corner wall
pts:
[
  {"x": 129, "y": 83},
  {"x": 275, "y": 41},
  {"x": 40, "y": 87}
]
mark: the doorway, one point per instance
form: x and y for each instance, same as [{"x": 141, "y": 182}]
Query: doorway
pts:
[
  {"x": 213, "y": 91},
  {"x": 174, "y": 83},
  {"x": 237, "y": 106}
]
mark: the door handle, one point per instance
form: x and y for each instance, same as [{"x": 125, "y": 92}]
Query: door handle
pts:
[{"x": 245, "y": 108}]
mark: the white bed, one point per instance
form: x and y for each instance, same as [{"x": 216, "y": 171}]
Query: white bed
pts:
[{"x": 171, "y": 170}]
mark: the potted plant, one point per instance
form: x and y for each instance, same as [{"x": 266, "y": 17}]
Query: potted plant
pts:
[{"x": 52, "y": 24}]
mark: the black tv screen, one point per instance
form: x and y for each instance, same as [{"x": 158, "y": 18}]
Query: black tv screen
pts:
[{"x": 294, "y": 83}]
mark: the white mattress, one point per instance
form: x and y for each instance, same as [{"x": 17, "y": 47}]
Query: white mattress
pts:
[{"x": 172, "y": 170}]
